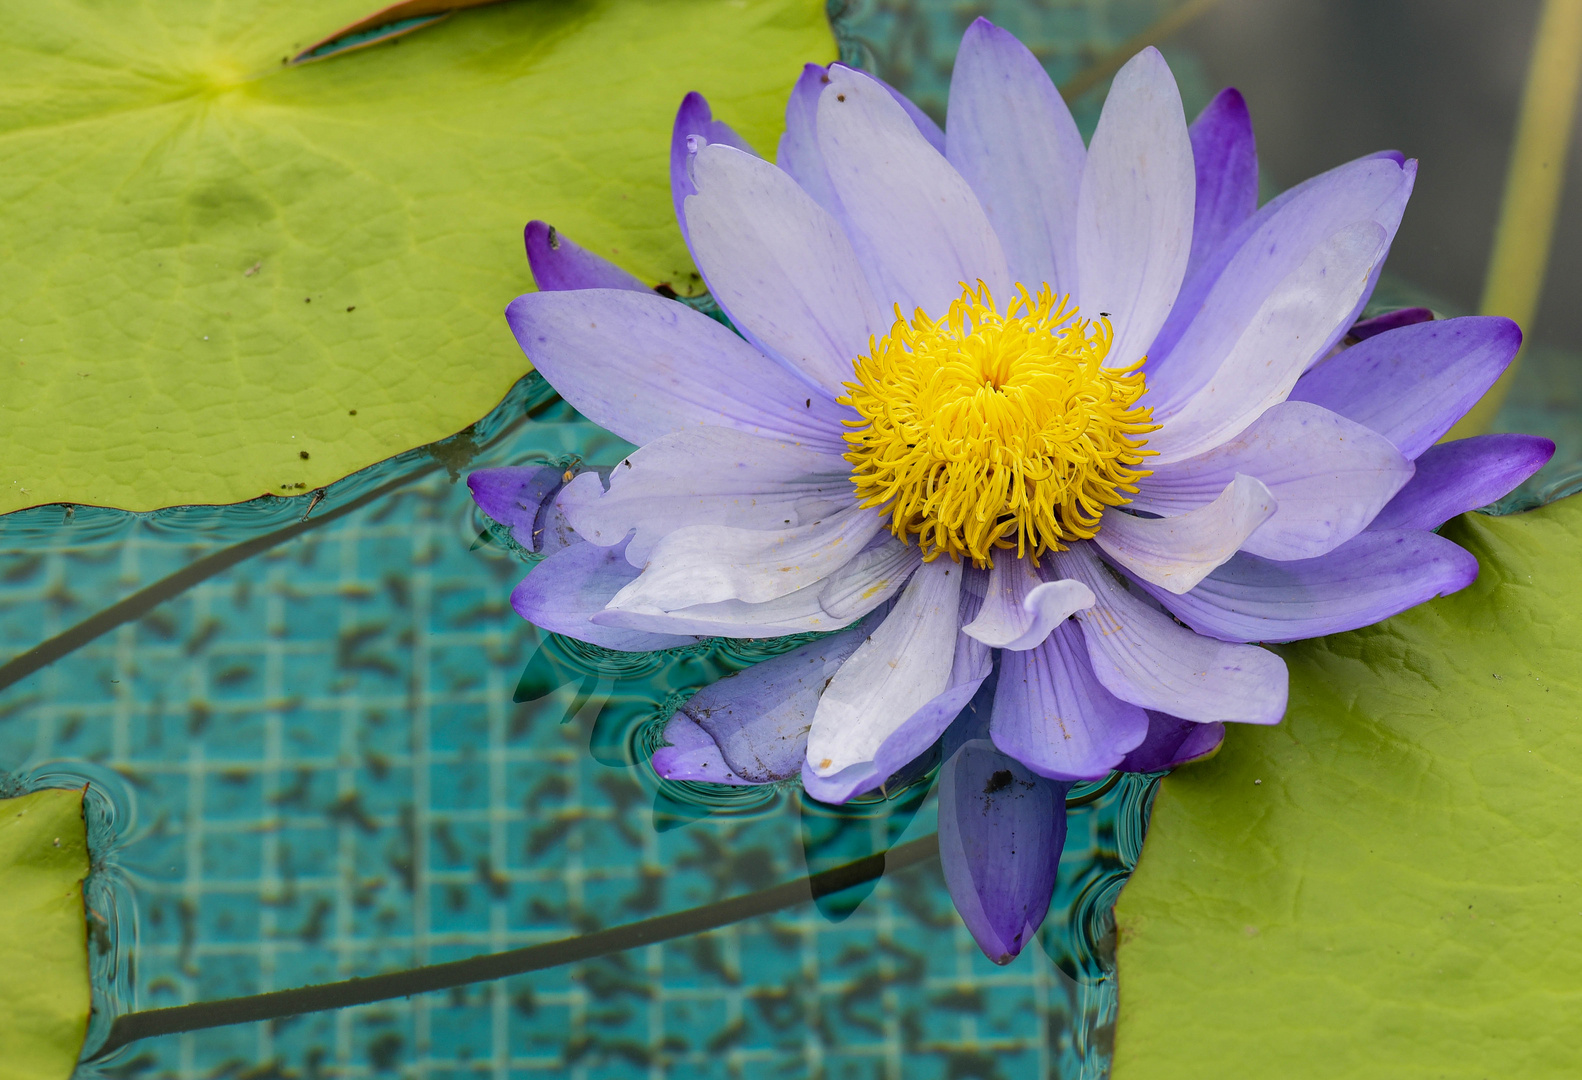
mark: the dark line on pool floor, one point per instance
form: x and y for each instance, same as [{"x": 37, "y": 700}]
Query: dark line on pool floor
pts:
[{"x": 130, "y": 1027}]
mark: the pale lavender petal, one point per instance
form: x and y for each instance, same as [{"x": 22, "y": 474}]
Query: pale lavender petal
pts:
[
  {"x": 1173, "y": 741},
  {"x": 1143, "y": 656},
  {"x": 1224, "y": 297},
  {"x": 1053, "y": 715},
  {"x": 924, "y": 123},
  {"x": 1178, "y": 552},
  {"x": 780, "y": 266},
  {"x": 558, "y": 264},
  {"x": 1365, "y": 580},
  {"x": 706, "y": 475},
  {"x": 799, "y": 154},
  {"x": 1390, "y": 320},
  {"x": 1020, "y": 608},
  {"x": 1329, "y": 476},
  {"x": 1001, "y": 829},
  {"x": 1134, "y": 210},
  {"x": 643, "y": 366},
  {"x": 576, "y": 582},
  {"x": 1455, "y": 477},
  {"x": 1012, "y": 138},
  {"x": 1411, "y": 384},
  {"x": 1304, "y": 312},
  {"x": 918, "y": 229},
  {"x": 692, "y": 755},
  {"x": 759, "y": 717},
  {"x": 695, "y": 122},
  {"x": 1225, "y": 162}
]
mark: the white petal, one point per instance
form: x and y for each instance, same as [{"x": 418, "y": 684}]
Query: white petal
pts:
[
  {"x": 918, "y": 229},
  {"x": 1176, "y": 553},
  {"x": 795, "y": 613},
  {"x": 1134, "y": 213},
  {"x": 780, "y": 265},
  {"x": 1143, "y": 656},
  {"x": 878, "y": 572},
  {"x": 1020, "y": 608},
  {"x": 704, "y": 564},
  {"x": 904, "y": 665}
]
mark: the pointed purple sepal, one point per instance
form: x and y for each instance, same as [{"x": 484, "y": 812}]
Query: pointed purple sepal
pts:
[
  {"x": 519, "y": 498},
  {"x": 1172, "y": 741},
  {"x": 559, "y": 265},
  {"x": 1001, "y": 828},
  {"x": 695, "y": 118},
  {"x": 1458, "y": 476},
  {"x": 1390, "y": 320}
]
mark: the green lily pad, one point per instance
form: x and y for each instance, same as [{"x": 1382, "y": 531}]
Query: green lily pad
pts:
[
  {"x": 1389, "y": 883},
  {"x": 43, "y": 937},
  {"x": 225, "y": 275}
]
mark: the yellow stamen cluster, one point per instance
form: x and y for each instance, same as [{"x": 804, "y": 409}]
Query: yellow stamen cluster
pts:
[{"x": 984, "y": 432}]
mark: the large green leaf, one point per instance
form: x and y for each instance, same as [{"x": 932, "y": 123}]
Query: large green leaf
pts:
[
  {"x": 43, "y": 937},
  {"x": 188, "y": 223},
  {"x": 1389, "y": 883}
]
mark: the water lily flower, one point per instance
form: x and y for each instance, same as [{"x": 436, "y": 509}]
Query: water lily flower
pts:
[{"x": 1062, "y": 432}]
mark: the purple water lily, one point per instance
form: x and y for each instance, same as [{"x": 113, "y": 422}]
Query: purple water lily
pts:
[{"x": 1066, "y": 429}]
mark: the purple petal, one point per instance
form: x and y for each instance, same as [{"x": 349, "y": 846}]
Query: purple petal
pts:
[
  {"x": 1455, "y": 477},
  {"x": 1365, "y": 580},
  {"x": 1265, "y": 351},
  {"x": 1134, "y": 211},
  {"x": 1143, "y": 656},
  {"x": 759, "y": 717},
  {"x": 1012, "y": 138},
  {"x": 1020, "y": 608},
  {"x": 558, "y": 264},
  {"x": 695, "y": 118},
  {"x": 1001, "y": 829},
  {"x": 1411, "y": 384},
  {"x": 1053, "y": 715},
  {"x": 1225, "y": 160},
  {"x": 916, "y": 225},
  {"x": 1390, "y": 320},
  {"x": 1222, "y": 299},
  {"x": 780, "y": 266},
  {"x": 1178, "y": 552},
  {"x": 692, "y": 755},
  {"x": 1329, "y": 476},
  {"x": 798, "y": 153},
  {"x": 643, "y": 366},
  {"x": 1173, "y": 741},
  {"x": 576, "y": 582}
]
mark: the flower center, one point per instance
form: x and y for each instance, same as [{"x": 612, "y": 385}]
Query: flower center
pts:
[{"x": 984, "y": 432}]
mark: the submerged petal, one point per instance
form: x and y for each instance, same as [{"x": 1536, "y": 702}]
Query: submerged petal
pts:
[
  {"x": 1012, "y": 138},
  {"x": 1001, "y": 828},
  {"x": 1178, "y": 552},
  {"x": 1053, "y": 715},
  {"x": 643, "y": 366},
  {"x": 692, "y": 755},
  {"x": 1134, "y": 211},
  {"x": 759, "y": 717},
  {"x": 1143, "y": 656}
]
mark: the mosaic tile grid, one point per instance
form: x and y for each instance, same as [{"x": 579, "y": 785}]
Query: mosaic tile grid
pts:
[{"x": 320, "y": 771}]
